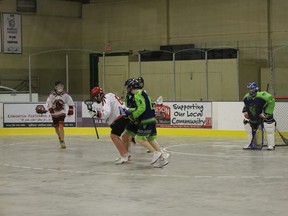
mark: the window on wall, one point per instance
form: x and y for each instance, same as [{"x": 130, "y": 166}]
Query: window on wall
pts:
[{"x": 27, "y": 6}]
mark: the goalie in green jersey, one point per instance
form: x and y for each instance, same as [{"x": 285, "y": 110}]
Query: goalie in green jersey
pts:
[{"x": 258, "y": 110}]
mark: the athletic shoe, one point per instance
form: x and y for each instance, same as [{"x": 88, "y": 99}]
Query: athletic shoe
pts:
[
  {"x": 129, "y": 158},
  {"x": 155, "y": 157},
  {"x": 122, "y": 160},
  {"x": 62, "y": 144},
  {"x": 161, "y": 163},
  {"x": 165, "y": 155},
  {"x": 247, "y": 147},
  {"x": 270, "y": 148}
]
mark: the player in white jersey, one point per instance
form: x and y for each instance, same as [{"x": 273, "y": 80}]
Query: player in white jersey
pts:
[
  {"x": 110, "y": 113},
  {"x": 56, "y": 105}
]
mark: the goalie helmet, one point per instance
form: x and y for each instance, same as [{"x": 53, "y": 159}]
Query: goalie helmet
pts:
[
  {"x": 97, "y": 93},
  {"x": 253, "y": 88}
]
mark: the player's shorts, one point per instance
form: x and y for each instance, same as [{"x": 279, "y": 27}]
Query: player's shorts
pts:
[
  {"x": 118, "y": 126},
  {"x": 58, "y": 120},
  {"x": 147, "y": 131},
  {"x": 131, "y": 129}
]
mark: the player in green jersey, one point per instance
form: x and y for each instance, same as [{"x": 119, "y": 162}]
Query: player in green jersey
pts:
[{"x": 144, "y": 113}]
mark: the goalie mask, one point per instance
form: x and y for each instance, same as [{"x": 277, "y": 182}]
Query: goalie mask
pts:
[
  {"x": 59, "y": 86},
  {"x": 253, "y": 89},
  {"x": 97, "y": 94}
]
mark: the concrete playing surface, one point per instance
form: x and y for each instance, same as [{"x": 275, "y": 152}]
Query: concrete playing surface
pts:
[{"x": 205, "y": 176}]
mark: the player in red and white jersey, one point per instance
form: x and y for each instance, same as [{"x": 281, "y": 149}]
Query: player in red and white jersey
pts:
[
  {"x": 110, "y": 113},
  {"x": 56, "y": 105}
]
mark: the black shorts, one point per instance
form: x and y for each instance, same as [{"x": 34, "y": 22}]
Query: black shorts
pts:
[
  {"x": 58, "y": 120},
  {"x": 119, "y": 126}
]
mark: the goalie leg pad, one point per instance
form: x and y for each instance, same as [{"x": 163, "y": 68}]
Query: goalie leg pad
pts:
[
  {"x": 270, "y": 133},
  {"x": 249, "y": 133}
]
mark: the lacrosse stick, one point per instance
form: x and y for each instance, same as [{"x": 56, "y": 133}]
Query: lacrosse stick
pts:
[
  {"x": 159, "y": 100},
  {"x": 89, "y": 103},
  {"x": 285, "y": 140}
]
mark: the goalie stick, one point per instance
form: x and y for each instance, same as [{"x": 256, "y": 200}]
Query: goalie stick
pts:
[
  {"x": 255, "y": 133},
  {"x": 285, "y": 140},
  {"x": 89, "y": 103}
]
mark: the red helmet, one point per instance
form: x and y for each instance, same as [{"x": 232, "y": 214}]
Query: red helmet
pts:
[{"x": 96, "y": 91}]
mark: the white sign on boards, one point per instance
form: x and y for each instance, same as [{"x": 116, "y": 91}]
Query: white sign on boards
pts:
[{"x": 24, "y": 115}]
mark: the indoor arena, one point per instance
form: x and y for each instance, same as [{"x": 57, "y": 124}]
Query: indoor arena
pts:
[{"x": 143, "y": 107}]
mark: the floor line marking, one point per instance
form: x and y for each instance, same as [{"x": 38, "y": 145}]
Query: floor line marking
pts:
[
  {"x": 222, "y": 155},
  {"x": 147, "y": 175}
]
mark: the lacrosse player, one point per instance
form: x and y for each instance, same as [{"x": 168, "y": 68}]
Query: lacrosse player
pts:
[
  {"x": 56, "y": 106},
  {"x": 110, "y": 112},
  {"x": 144, "y": 114},
  {"x": 258, "y": 108},
  {"x": 132, "y": 126}
]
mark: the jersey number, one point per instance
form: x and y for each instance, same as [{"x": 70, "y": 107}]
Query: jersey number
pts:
[{"x": 119, "y": 100}]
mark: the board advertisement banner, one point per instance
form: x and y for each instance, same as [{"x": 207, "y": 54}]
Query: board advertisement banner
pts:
[
  {"x": 168, "y": 114},
  {"x": 24, "y": 115},
  {"x": 184, "y": 114}
]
